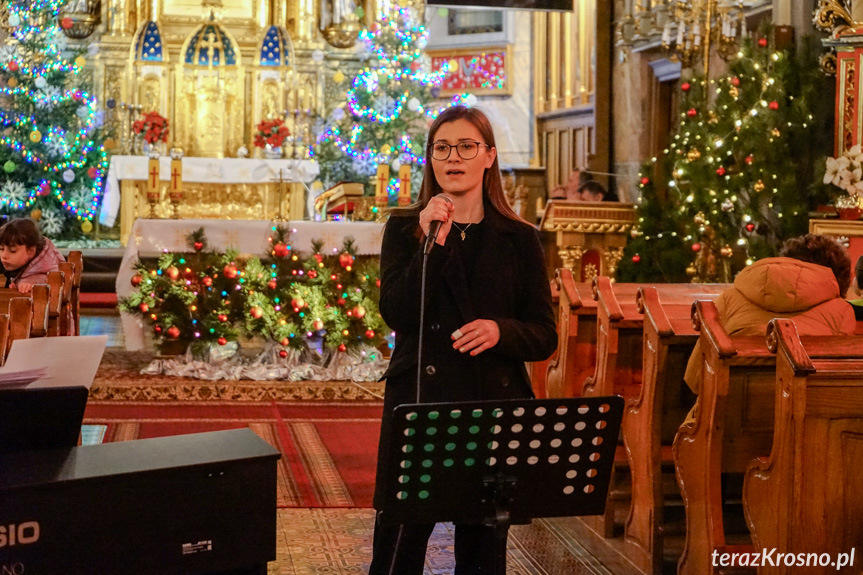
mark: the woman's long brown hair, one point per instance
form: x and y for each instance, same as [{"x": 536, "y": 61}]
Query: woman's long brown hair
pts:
[{"x": 492, "y": 186}]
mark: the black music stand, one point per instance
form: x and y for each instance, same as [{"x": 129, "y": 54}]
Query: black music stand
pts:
[
  {"x": 500, "y": 462},
  {"x": 33, "y": 419}
]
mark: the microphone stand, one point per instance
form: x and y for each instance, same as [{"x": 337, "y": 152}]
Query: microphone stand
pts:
[{"x": 429, "y": 243}]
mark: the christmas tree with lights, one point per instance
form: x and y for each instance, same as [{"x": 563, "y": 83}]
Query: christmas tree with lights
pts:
[
  {"x": 50, "y": 149},
  {"x": 736, "y": 180},
  {"x": 384, "y": 117}
]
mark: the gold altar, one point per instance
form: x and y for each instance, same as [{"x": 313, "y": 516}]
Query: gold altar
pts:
[
  {"x": 589, "y": 237},
  {"x": 213, "y": 201}
]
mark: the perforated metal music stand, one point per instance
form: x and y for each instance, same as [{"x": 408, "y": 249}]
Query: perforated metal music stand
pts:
[{"x": 500, "y": 462}]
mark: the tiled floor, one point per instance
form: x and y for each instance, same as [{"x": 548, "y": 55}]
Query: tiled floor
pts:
[{"x": 338, "y": 542}]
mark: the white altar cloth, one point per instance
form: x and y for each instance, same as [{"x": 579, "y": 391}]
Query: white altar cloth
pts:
[
  {"x": 151, "y": 238},
  {"x": 201, "y": 170}
]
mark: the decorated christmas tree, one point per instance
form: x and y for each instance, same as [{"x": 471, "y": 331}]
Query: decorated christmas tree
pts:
[
  {"x": 735, "y": 181},
  {"x": 384, "y": 117},
  {"x": 51, "y": 150}
]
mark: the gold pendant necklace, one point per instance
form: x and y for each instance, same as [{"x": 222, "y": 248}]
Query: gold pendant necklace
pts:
[{"x": 462, "y": 230}]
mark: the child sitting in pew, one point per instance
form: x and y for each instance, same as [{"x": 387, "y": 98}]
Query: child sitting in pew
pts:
[
  {"x": 25, "y": 255},
  {"x": 807, "y": 282}
]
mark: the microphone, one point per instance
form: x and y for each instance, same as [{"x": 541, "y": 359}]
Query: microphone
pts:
[{"x": 434, "y": 228}]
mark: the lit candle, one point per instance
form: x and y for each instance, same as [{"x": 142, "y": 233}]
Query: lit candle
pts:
[
  {"x": 405, "y": 185},
  {"x": 381, "y": 180}
]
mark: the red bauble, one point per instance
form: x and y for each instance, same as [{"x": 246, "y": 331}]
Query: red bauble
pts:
[
  {"x": 750, "y": 227},
  {"x": 341, "y": 301},
  {"x": 144, "y": 307},
  {"x": 44, "y": 189},
  {"x": 318, "y": 325},
  {"x": 748, "y": 160},
  {"x": 685, "y": 86},
  {"x": 774, "y": 105},
  {"x": 280, "y": 250},
  {"x": 283, "y": 354},
  {"x": 223, "y": 317},
  {"x": 92, "y": 172},
  {"x": 346, "y": 259},
  {"x": 696, "y": 247},
  {"x": 378, "y": 282},
  {"x": 762, "y": 42},
  {"x": 231, "y": 271},
  {"x": 312, "y": 274},
  {"x": 256, "y": 312},
  {"x": 136, "y": 280},
  {"x": 222, "y": 341},
  {"x": 207, "y": 281},
  {"x": 298, "y": 303},
  {"x": 645, "y": 180},
  {"x": 173, "y": 272},
  {"x": 343, "y": 347},
  {"x": 319, "y": 258},
  {"x": 359, "y": 311},
  {"x": 720, "y": 171},
  {"x": 173, "y": 332},
  {"x": 158, "y": 329},
  {"x": 735, "y": 81},
  {"x": 636, "y": 258},
  {"x": 370, "y": 333},
  {"x": 285, "y": 341},
  {"x": 13, "y": 66},
  {"x": 272, "y": 284},
  {"x": 66, "y": 23},
  {"x": 199, "y": 246},
  {"x": 692, "y": 112}
]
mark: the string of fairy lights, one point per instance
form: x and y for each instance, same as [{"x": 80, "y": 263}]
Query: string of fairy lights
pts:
[
  {"x": 688, "y": 147},
  {"x": 34, "y": 66},
  {"x": 397, "y": 42}
]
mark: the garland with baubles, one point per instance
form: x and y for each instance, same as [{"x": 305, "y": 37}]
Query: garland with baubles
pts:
[{"x": 203, "y": 297}]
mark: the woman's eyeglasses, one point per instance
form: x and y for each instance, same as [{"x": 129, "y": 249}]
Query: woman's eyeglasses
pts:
[{"x": 466, "y": 150}]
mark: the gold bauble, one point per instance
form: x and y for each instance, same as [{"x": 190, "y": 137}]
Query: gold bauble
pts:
[
  {"x": 699, "y": 218},
  {"x": 691, "y": 270},
  {"x": 693, "y": 154},
  {"x": 386, "y": 149},
  {"x": 734, "y": 92},
  {"x": 726, "y": 251},
  {"x": 86, "y": 226},
  {"x": 338, "y": 77},
  {"x": 36, "y": 214},
  {"x": 758, "y": 186},
  {"x": 12, "y": 82},
  {"x": 80, "y": 61},
  {"x": 109, "y": 143},
  {"x": 35, "y": 136}
]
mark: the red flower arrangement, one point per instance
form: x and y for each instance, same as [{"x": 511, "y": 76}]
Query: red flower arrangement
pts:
[
  {"x": 272, "y": 132},
  {"x": 154, "y": 127}
]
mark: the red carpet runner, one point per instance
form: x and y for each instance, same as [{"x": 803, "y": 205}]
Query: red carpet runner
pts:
[{"x": 328, "y": 451}]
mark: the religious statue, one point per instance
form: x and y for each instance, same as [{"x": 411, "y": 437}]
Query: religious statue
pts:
[{"x": 339, "y": 22}]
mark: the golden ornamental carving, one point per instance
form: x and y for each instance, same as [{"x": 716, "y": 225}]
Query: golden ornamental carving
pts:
[
  {"x": 587, "y": 227},
  {"x": 571, "y": 257},
  {"x": 612, "y": 257},
  {"x": 835, "y": 18}
]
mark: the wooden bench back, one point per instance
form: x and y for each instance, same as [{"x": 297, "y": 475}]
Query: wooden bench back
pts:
[
  {"x": 37, "y": 310},
  {"x": 76, "y": 258},
  {"x": 807, "y": 495},
  {"x": 67, "y": 325},
  {"x": 733, "y": 424}
]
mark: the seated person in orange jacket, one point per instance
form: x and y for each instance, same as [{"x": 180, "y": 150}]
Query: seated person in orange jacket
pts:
[{"x": 807, "y": 283}]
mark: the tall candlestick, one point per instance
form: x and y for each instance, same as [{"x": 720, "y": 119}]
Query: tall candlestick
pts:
[
  {"x": 176, "y": 186},
  {"x": 382, "y": 179},
  {"x": 405, "y": 185},
  {"x": 153, "y": 182}
]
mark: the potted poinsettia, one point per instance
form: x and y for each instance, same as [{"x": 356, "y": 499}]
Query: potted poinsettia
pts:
[
  {"x": 270, "y": 136},
  {"x": 846, "y": 173},
  {"x": 152, "y": 128}
]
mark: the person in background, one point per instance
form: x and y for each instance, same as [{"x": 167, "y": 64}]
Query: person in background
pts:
[
  {"x": 593, "y": 191},
  {"x": 26, "y": 256},
  {"x": 857, "y": 285},
  {"x": 807, "y": 282},
  {"x": 570, "y": 191},
  {"x": 488, "y": 310}
]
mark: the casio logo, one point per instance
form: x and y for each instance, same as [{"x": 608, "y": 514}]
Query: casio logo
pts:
[{"x": 21, "y": 534}]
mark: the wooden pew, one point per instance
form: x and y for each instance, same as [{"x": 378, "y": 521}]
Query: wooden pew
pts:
[
  {"x": 55, "y": 301},
  {"x": 38, "y": 307},
  {"x": 652, "y": 418},
  {"x": 807, "y": 496},
  {"x": 76, "y": 258},
  {"x": 18, "y": 311},
  {"x": 67, "y": 319},
  {"x": 536, "y": 370},
  {"x": 575, "y": 357},
  {"x": 733, "y": 424},
  {"x": 619, "y": 353}
]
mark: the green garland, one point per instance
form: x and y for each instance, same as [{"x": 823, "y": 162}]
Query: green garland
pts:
[{"x": 203, "y": 297}]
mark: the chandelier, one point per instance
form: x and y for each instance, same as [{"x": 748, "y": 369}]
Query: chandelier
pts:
[
  {"x": 686, "y": 29},
  {"x": 85, "y": 16}
]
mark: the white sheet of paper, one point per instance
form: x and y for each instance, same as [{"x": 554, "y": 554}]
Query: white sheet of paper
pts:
[{"x": 66, "y": 361}]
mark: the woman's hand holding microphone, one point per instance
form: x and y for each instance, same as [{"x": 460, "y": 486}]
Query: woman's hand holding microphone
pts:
[{"x": 439, "y": 209}]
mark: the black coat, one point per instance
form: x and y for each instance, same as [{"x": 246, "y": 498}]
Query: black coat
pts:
[{"x": 507, "y": 284}]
